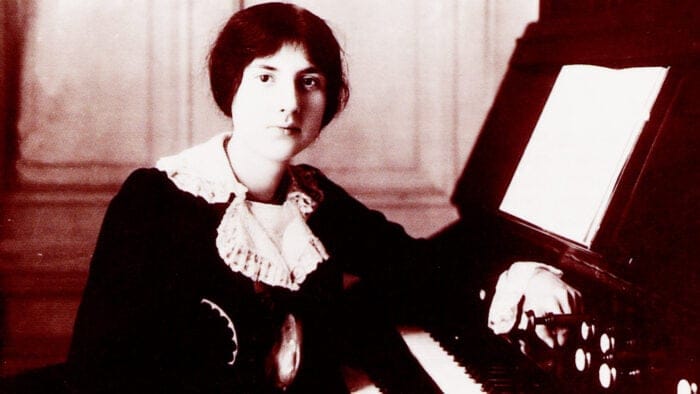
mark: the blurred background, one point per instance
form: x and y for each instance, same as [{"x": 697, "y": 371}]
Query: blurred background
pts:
[{"x": 90, "y": 91}]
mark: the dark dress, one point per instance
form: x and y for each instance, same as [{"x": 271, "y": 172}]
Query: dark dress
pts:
[{"x": 142, "y": 325}]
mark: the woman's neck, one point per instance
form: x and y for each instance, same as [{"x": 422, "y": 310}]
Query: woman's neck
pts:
[{"x": 261, "y": 176}]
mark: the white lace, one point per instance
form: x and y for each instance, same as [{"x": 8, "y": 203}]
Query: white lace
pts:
[{"x": 285, "y": 259}]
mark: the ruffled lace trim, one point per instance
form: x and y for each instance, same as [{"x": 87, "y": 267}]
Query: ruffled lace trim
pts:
[
  {"x": 242, "y": 243},
  {"x": 246, "y": 248},
  {"x": 203, "y": 171}
]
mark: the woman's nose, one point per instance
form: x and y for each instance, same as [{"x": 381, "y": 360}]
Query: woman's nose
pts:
[{"x": 288, "y": 98}]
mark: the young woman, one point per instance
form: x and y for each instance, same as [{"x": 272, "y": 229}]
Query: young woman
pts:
[{"x": 220, "y": 270}]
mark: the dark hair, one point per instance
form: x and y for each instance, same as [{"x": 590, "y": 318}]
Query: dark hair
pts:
[{"x": 260, "y": 31}]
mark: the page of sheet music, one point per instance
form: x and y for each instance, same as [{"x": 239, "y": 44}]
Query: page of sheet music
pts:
[{"x": 583, "y": 138}]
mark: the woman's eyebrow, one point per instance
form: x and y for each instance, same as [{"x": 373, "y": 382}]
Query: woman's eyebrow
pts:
[
  {"x": 308, "y": 70},
  {"x": 265, "y": 67}
]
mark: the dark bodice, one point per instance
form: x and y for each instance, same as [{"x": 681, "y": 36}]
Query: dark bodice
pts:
[{"x": 143, "y": 324}]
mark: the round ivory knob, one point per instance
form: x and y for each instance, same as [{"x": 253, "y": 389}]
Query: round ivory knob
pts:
[
  {"x": 607, "y": 343},
  {"x": 587, "y": 330},
  {"x": 606, "y": 375},
  {"x": 686, "y": 387},
  {"x": 582, "y": 360}
]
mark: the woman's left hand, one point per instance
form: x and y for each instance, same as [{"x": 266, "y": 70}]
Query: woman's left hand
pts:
[{"x": 528, "y": 290}]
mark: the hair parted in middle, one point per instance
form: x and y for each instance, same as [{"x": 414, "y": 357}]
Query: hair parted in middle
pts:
[{"x": 263, "y": 29}]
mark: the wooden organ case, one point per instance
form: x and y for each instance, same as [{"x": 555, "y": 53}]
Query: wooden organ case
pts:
[{"x": 638, "y": 273}]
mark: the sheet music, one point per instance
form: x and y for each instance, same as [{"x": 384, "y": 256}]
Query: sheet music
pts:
[{"x": 586, "y": 132}]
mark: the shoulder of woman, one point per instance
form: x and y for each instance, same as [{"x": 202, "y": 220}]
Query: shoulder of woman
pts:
[
  {"x": 311, "y": 174},
  {"x": 143, "y": 204},
  {"x": 335, "y": 197},
  {"x": 146, "y": 181},
  {"x": 145, "y": 188}
]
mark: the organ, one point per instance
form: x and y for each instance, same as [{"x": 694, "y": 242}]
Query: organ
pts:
[{"x": 620, "y": 215}]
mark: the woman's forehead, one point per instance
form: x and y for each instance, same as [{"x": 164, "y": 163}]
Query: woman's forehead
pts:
[{"x": 288, "y": 56}]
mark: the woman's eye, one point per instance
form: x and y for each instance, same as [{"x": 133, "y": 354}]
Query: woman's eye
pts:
[
  {"x": 311, "y": 83},
  {"x": 264, "y": 78}
]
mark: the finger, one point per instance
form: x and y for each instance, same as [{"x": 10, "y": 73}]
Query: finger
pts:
[
  {"x": 527, "y": 320},
  {"x": 543, "y": 306},
  {"x": 562, "y": 334},
  {"x": 545, "y": 336},
  {"x": 564, "y": 307},
  {"x": 573, "y": 298},
  {"x": 523, "y": 323},
  {"x": 524, "y": 346},
  {"x": 544, "y": 332}
]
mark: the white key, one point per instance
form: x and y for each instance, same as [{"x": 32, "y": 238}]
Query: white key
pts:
[
  {"x": 358, "y": 382},
  {"x": 442, "y": 367}
]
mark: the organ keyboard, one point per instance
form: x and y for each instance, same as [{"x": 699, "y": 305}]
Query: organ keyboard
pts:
[
  {"x": 468, "y": 360},
  {"x": 440, "y": 365},
  {"x": 462, "y": 363},
  {"x": 442, "y": 368}
]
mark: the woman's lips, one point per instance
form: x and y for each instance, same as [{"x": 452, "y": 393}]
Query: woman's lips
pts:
[{"x": 288, "y": 130}]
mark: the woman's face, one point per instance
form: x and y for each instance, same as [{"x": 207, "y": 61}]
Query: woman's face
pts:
[{"x": 278, "y": 109}]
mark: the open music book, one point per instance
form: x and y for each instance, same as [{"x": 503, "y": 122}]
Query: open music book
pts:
[{"x": 583, "y": 138}]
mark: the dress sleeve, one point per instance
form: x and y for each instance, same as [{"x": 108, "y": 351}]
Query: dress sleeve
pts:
[
  {"x": 366, "y": 244},
  {"x": 443, "y": 278},
  {"x": 119, "y": 333}
]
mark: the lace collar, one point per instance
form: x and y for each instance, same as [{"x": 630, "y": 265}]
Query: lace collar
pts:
[{"x": 283, "y": 259}]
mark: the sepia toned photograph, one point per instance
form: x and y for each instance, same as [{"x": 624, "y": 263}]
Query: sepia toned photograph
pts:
[{"x": 359, "y": 196}]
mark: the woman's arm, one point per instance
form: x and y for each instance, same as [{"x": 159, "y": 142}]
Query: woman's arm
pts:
[
  {"x": 450, "y": 276},
  {"x": 130, "y": 312},
  {"x": 403, "y": 272}
]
